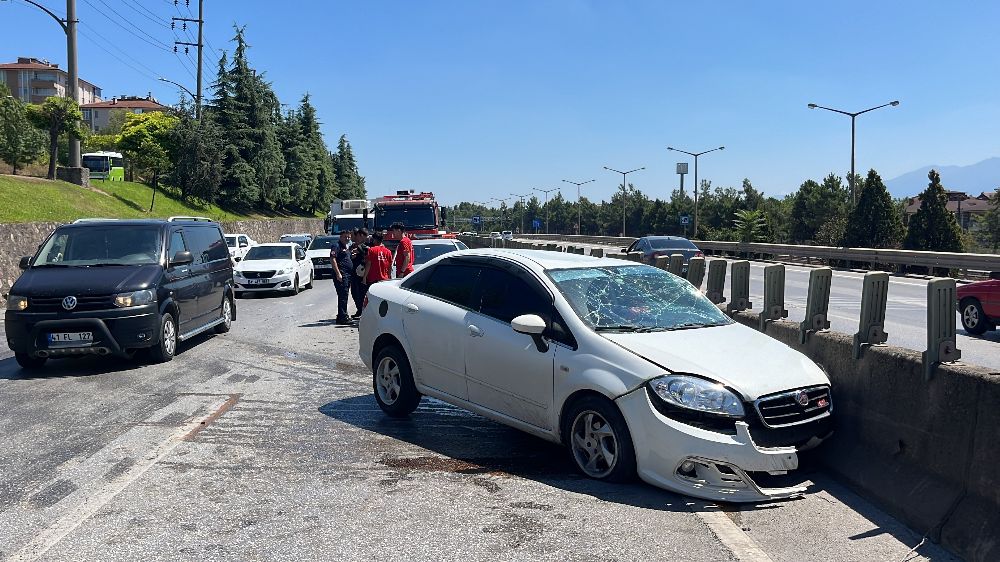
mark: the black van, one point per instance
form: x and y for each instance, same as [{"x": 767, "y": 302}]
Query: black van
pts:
[{"x": 105, "y": 286}]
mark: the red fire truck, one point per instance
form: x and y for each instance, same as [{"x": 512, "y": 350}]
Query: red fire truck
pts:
[{"x": 418, "y": 212}]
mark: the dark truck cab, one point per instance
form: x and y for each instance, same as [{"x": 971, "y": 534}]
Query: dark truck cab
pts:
[{"x": 115, "y": 287}]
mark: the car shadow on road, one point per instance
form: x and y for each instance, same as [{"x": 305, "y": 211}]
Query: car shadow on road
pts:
[{"x": 466, "y": 443}]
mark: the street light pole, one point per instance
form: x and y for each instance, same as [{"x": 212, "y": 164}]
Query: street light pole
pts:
[
  {"x": 853, "y": 116},
  {"x": 521, "y": 197},
  {"x": 546, "y": 192},
  {"x": 696, "y": 185},
  {"x": 502, "y": 202},
  {"x": 579, "y": 209},
  {"x": 624, "y": 189},
  {"x": 181, "y": 86}
]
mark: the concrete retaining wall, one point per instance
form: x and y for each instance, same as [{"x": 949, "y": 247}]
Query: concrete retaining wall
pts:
[
  {"x": 927, "y": 452},
  {"x": 22, "y": 239}
]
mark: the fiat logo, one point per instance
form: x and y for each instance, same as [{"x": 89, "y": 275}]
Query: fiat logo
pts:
[
  {"x": 69, "y": 303},
  {"x": 802, "y": 398}
]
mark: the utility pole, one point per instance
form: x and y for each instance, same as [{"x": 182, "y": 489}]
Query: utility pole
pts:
[
  {"x": 624, "y": 189},
  {"x": 200, "y": 45},
  {"x": 74, "y": 77},
  {"x": 579, "y": 209},
  {"x": 521, "y": 197},
  {"x": 546, "y": 192}
]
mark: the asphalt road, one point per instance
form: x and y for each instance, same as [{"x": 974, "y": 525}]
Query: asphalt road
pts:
[
  {"x": 905, "y": 316},
  {"x": 266, "y": 444}
]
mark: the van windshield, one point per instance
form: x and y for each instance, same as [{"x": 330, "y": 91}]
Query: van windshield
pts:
[{"x": 101, "y": 245}]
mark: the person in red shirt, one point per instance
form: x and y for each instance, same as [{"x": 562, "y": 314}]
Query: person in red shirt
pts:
[
  {"x": 404, "y": 252},
  {"x": 378, "y": 265}
]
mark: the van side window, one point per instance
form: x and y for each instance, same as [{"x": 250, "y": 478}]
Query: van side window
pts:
[
  {"x": 207, "y": 244},
  {"x": 176, "y": 244}
]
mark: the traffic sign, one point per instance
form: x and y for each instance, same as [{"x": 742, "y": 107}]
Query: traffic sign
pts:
[
  {"x": 685, "y": 219},
  {"x": 536, "y": 224},
  {"x": 477, "y": 219}
]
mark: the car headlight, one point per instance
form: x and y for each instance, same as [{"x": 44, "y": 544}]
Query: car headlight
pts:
[
  {"x": 696, "y": 394},
  {"x": 137, "y": 298},
  {"x": 15, "y": 302},
  {"x": 284, "y": 271}
]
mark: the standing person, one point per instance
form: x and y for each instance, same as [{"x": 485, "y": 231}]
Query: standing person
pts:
[
  {"x": 378, "y": 264},
  {"x": 340, "y": 258},
  {"x": 359, "y": 252},
  {"x": 404, "y": 252}
]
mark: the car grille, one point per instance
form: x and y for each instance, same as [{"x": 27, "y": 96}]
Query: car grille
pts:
[
  {"x": 783, "y": 409},
  {"x": 258, "y": 274},
  {"x": 321, "y": 261},
  {"x": 83, "y": 303},
  {"x": 261, "y": 286}
]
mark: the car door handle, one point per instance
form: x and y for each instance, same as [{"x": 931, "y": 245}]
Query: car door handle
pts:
[
  {"x": 412, "y": 308},
  {"x": 475, "y": 332}
]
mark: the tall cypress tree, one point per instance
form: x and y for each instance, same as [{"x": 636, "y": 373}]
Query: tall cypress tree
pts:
[
  {"x": 874, "y": 222},
  {"x": 933, "y": 227},
  {"x": 350, "y": 183}
]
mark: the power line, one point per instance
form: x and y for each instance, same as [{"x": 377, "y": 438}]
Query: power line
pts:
[
  {"x": 145, "y": 12},
  {"x": 155, "y": 42},
  {"x": 186, "y": 65},
  {"x": 116, "y": 57},
  {"x": 97, "y": 35}
]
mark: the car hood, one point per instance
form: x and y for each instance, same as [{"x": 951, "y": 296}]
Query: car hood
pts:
[
  {"x": 737, "y": 356},
  {"x": 264, "y": 265},
  {"x": 62, "y": 281}
]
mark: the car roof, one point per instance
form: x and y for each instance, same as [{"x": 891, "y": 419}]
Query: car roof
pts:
[
  {"x": 280, "y": 244},
  {"x": 542, "y": 259},
  {"x": 666, "y": 238}
]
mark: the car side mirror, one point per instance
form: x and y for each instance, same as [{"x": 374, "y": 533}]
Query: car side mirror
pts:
[
  {"x": 237, "y": 258},
  {"x": 181, "y": 258},
  {"x": 624, "y": 250},
  {"x": 530, "y": 324},
  {"x": 25, "y": 262}
]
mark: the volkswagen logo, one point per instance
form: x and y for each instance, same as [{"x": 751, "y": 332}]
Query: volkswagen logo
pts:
[
  {"x": 802, "y": 398},
  {"x": 69, "y": 303}
]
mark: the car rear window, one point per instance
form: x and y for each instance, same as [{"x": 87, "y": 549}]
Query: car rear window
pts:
[{"x": 671, "y": 244}]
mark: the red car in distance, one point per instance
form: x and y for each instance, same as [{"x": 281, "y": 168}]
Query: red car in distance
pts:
[{"x": 979, "y": 305}]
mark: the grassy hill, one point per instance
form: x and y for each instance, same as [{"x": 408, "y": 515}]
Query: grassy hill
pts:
[{"x": 27, "y": 199}]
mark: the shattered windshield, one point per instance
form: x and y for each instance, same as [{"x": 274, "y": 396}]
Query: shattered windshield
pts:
[{"x": 635, "y": 298}]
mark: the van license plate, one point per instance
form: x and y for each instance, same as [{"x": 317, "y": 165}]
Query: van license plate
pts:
[{"x": 71, "y": 338}]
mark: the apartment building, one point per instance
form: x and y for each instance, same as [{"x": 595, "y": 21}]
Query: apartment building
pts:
[
  {"x": 97, "y": 115},
  {"x": 32, "y": 80}
]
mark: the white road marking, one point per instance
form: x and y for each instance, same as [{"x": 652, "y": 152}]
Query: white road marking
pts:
[
  {"x": 88, "y": 503},
  {"x": 744, "y": 548}
]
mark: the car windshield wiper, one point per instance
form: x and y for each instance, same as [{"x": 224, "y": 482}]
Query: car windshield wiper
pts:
[
  {"x": 622, "y": 328},
  {"x": 691, "y": 325}
]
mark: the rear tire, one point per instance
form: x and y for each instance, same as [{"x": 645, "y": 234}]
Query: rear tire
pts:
[
  {"x": 599, "y": 440},
  {"x": 973, "y": 317},
  {"x": 392, "y": 381},
  {"x": 227, "y": 316},
  {"x": 29, "y": 363},
  {"x": 164, "y": 351}
]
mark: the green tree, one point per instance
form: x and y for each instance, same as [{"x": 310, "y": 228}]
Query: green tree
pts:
[
  {"x": 988, "y": 233},
  {"x": 196, "y": 149},
  {"x": 933, "y": 227},
  {"x": 21, "y": 143},
  {"x": 350, "y": 183},
  {"x": 147, "y": 142},
  {"x": 749, "y": 225},
  {"x": 816, "y": 204},
  {"x": 874, "y": 222},
  {"x": 57, "y": 116}
]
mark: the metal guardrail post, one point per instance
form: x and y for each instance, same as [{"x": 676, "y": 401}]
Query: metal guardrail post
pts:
[
  {"x": 774, "y": 295},
  {"x": 696, "y": 271},
  {"x": 597, "y": 252},
  {"x": 716, "y": 281},
  {"x": 662, "y": 262},
  {"x": 739, "y": 287},
  {"x": 817, "y": 303},
  {"x": 676, "y": 264},
  {"x": 941, "y": 346},
  {"x": 871, "y": 327}
]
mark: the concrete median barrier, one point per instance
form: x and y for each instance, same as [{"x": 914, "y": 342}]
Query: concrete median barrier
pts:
[{"x": 924, "y": 450}]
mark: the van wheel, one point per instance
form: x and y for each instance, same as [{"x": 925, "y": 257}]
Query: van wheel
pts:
[
  {"x": 599, "y": 440},
  {"x": 29, "y": 363},
  {"x": 295, "y": 287},
  {"x": 227, "y": 316},
  {"x": 392, "y": 380},
  {"x": 164, "y": 351}
]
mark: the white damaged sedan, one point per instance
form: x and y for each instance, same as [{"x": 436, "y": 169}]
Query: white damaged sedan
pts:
[{"x": 630, "y": 367}]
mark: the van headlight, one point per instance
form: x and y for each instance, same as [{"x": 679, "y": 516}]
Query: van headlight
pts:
[
  {"x": 693, "y": 393},
  {"x": 17, "y": 303},
  {"x": 137, "y": 298}
]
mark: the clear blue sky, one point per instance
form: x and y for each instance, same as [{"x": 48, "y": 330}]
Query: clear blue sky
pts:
[{"x": 479, "y": 98}]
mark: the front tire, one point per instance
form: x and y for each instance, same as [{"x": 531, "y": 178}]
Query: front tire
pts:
[
  {"x": 973, "y": 318},
  {"x": 29, "y": 363},
  {"x": 309, "y": 285},
  {"x": 599, "y": 440},
  {"x": 165, "y": 350},
  {"x": 227, "y": 316},
  {"x": 295, "y": 286},
  {"x": 392, "y": 381}
]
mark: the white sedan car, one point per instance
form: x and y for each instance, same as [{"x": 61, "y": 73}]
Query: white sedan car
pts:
[
  {"x": 319, "y": 254},
  {"x": 273, "y": 267},
  {"x": 629, "y": 366}
]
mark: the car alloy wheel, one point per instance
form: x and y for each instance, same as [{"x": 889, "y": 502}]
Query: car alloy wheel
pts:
[
  {"x": 973, "y": 317},
  {"x": 169, "y": 337},
  {"x": 594, "y": 444},
  {"x": 387, "y": 380}
]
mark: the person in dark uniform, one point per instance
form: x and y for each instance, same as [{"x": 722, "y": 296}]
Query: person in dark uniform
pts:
[
  {"x": 340, "y": 258},
  {"x": 359, "y": 250}
]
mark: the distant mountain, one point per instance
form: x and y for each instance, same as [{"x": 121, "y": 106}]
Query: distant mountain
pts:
[{"x": 972, "y": 179}]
